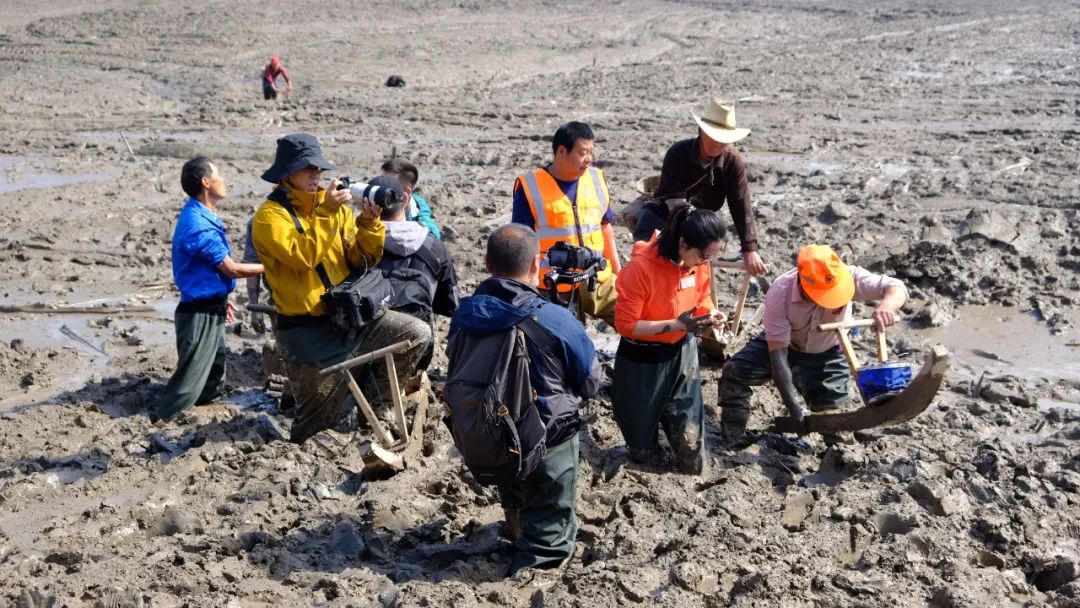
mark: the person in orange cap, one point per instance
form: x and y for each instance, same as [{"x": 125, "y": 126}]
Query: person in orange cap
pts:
[
  {"x": 792, "y": 351},
  {"x": 271, "y": 73}
]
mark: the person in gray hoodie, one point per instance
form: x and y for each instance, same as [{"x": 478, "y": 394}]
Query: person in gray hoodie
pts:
[{"x": 418, "y": 265}]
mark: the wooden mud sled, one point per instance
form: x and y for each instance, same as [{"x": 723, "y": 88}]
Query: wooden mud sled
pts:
[
  {"x": 888, "y": 410},
  {"x": 390, "y": 449}
]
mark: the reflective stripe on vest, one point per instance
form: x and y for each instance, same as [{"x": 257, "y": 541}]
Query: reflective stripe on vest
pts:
[{"x": 556, "y": 218}]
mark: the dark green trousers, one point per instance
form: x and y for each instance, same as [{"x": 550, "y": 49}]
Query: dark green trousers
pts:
[
  {"x": 545, "y": 501},
  {"x": 200, "y": 365},
  {"x": 308, "y": 348},
  {"x": 649, "y": 395},
  {"x": 821, "y": 379}
]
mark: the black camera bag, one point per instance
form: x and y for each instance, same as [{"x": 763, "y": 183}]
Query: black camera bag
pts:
[{"x": 359, "y": 299}]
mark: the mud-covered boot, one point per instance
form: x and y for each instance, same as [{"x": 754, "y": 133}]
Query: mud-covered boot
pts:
[
  {"x": 645, "y": 455},
  {"x": 733, "y": 433},
  {"x": 689, "y": 459},
  {"x": 735, "y": 437},
  {"x": 689, "y": 450}
]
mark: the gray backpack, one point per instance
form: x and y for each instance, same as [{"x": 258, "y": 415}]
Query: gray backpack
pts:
[{"x": 493, "y": 417}]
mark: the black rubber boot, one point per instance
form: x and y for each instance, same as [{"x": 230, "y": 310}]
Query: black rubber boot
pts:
[
  {"x": 645, "y": 456},
  {"x": 733, "y": 434}
]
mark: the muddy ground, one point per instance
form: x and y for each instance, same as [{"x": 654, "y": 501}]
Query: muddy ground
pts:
[{"x": 936, "y": 141}]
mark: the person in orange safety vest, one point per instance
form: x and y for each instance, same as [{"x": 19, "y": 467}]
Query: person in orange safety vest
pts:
[{"x": 568, "y": 200}]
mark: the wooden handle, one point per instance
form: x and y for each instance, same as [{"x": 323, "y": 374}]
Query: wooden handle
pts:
[
  {"x": 362, "y": 359},
  {"x": 381, "y": 434},
  {"x": 849, "y": 354},
  {"x": 739, "y": 265},
  {"x": 841, "y": 330},
  {"x": 740, "y": 304},
  {"x": 395, "y": 396},
  {"x": 846, "y": 324}
]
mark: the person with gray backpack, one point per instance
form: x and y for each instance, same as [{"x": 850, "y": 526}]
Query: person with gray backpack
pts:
[{"x": 519, "y": 368}]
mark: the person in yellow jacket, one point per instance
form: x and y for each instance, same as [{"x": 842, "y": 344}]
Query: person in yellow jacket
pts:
[
  {"x": 568, "y": 200},
  {"x": 300, "y": 231}
]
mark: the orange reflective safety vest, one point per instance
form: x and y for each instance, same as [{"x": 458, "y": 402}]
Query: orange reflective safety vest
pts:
[{"x": 557, "y": 218}]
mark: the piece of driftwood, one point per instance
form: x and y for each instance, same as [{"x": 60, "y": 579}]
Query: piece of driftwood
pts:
[{"x": 42, "y": 309}]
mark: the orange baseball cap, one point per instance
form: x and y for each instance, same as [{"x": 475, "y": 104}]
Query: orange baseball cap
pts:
[{"x": 824, "y": 277}]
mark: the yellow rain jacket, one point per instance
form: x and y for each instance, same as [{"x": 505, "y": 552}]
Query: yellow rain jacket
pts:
[{"x": 339, "y": 240}]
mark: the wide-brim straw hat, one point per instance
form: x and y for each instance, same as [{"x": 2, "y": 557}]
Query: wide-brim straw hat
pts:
[{"x": 717, "y": 120}]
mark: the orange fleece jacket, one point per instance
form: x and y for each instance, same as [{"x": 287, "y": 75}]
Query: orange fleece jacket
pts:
[{"x": 653, "y": 288}]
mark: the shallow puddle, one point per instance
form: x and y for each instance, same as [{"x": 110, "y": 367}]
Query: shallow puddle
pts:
[
  {"x": 67, "y": 475},
  {"x": 47, "y": 331},
  {"x": 795, "y": 163},
  {"x": 89, "y": 335},
  {"x": 1047, "y": 405},
  {"x": 20, "y": 173},
  {"x": 1000, "y": 340},
  {"x": 922, "y": 75}
]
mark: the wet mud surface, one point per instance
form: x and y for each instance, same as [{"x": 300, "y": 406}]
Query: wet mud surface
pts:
[{"x": 932, "y": 141}]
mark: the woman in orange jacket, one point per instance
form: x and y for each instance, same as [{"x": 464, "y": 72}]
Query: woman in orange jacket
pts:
[{"x": 663, "y": 305}]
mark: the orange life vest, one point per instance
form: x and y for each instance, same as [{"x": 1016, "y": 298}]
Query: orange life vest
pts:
[{"x": 557, "y": 218}]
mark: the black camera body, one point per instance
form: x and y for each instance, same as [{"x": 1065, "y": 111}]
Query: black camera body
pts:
[
  {"x": 572, "y": 266},
  {"x": 566, "y": 257},
  {"x": 360, "y": 190}
]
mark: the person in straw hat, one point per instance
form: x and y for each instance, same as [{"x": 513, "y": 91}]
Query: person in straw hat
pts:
[
  {"x": 707, "y": 172},
  {"x": 793, "y": 352}
]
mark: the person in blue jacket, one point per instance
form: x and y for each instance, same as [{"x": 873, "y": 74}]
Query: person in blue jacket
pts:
[
  {"x": 539, "y": 510},
  {"x": 417, "y": 208},
  {"x": 205, "y": 274}
]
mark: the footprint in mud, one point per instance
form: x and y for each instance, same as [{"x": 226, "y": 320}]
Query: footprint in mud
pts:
[
  {"x": 56, "y": 472},
  {"x": 889, "y": 523}
]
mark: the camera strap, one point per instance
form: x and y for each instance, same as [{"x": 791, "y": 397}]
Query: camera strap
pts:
[
  {"x": 538, "y": 334},
  {"x": 280, "y": 197}
]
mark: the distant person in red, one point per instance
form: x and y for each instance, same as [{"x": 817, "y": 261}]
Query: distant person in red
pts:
[{"x": 271, "y": 73}]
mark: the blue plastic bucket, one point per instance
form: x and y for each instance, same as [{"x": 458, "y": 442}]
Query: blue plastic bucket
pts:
[{"x": 883, "y": 378}]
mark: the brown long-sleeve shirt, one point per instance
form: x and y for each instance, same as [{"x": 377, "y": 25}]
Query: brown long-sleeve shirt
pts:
[{"x": 708, "y": 186}]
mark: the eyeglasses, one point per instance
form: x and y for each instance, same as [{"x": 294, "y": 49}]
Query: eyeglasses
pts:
[{"x": 313, "y": 169}]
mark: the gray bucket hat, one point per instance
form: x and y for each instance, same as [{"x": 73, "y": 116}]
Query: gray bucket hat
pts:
[{"x": 294, "y": 152}]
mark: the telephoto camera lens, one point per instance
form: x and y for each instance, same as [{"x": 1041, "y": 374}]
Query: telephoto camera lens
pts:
[{"x": 360, "y": 190}]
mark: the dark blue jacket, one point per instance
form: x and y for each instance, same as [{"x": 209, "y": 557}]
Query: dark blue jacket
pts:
[{"x": 562, "y": 377}]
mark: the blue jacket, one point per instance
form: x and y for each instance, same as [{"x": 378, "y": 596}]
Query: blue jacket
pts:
[
  {"x": 562, "y": 377},
  {"x": 199, "y": 246}
]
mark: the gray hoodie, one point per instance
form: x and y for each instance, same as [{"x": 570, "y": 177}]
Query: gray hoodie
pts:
[
  {"x": 403, "y": 242},
  {"x": 404, "y": 238}
]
